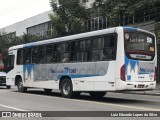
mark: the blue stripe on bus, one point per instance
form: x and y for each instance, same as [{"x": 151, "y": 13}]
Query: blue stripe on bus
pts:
[
  {"x": 75, "y": 76},
  {"x": 130, "y": 28}
]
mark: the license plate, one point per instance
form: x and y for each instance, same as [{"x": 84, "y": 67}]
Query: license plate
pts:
[{"x": 140, "y": 86}]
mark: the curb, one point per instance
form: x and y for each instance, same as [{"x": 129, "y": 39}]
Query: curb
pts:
[
  {"x": 155, "y": 94},
  {"x": 152, "y": 94}
]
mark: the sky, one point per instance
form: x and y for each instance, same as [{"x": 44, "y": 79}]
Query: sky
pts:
[{"x": 13, "y": 11}]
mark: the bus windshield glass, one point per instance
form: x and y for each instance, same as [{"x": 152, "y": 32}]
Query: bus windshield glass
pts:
[{"x": 139, "y": 45}]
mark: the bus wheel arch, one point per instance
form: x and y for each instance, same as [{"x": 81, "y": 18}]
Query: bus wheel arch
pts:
[
  {"x": 17, "y": 78},
  {"x": 62, "y": 79},
  {"x": 19, "y": 83}
]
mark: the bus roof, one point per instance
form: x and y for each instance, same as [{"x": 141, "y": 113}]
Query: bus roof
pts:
[
  {"x": 60, "y": 39},
  {"x": 137, "y": 29},
  {"x": 73, "y": 37}
]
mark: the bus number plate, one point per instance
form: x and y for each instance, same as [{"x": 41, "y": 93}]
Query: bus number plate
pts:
[{"x": 140, "y": 86}]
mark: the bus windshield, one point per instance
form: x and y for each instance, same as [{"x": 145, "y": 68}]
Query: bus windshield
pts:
[{"x": 139, "y": 45}]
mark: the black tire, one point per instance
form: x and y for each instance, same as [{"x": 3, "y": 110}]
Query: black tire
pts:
[
  {"x": 20, "y": 86},
  {"x": 48, "y": 91},
  {"x": 8, "y": 87},
  {"x": 66, "y": 88},
  {"x": 97, "y": 94}
]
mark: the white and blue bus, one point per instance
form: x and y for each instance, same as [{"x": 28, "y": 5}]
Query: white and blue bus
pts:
[{"x": 114, "y": 59}]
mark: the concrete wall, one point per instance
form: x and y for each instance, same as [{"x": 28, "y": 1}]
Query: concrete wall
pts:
[{"x": 20, "y": 27}]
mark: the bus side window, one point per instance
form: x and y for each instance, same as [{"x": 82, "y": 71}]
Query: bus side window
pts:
[
  {"x": 65, "y": 57},
  {"x": 87, "y": 51},
  {"x": 109, "y": 50},
  {"x": 49, "y": 52},
  {"x": 61, "y": 53},
  {"x": 56, "y": 53},
  {"x": 65, "y": 52},
  {"x": 97, "y": 49},
  {"x": 73, "y": 51},
  {"x": 41, "y": 55},
  {"x": 97, "y": 55},
  {"x": 27, "y": 56},
  {"x": 20, "y": 57},
  {"x": 34, "y": 55}
]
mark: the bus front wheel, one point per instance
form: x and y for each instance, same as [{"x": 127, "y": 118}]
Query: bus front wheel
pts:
[
  {"x": 20, "y": 86},
  {"x": 97, "y": 94}
]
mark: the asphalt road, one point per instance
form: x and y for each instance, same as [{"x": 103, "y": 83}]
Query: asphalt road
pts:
[{"x": 37, "y": 100}]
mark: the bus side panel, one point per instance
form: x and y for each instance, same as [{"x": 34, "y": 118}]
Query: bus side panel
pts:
[
  {"x": 36, "y": 76},
  {"x": 80, "y": 73},
  {"x": 102, "y": 77},
  {"x": 83, "y": 75},
  {"x": 10, "y": 78},
  {"x": 50, "y": 84},
  {"x": 106, "y": 82},
  {"x": 28, "y": 74}
]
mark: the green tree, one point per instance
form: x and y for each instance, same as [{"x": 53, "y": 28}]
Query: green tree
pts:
[
  {"x": 3, "y": 47},
  {"x": 68, "y": 16},
  {"x": 144, "y": 4},
  {"x": 7, "y": 41},
  {"x": 116, "y": 10}
]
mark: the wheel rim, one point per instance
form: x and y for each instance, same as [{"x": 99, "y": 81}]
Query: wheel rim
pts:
[{"x": 66, "y": 88}]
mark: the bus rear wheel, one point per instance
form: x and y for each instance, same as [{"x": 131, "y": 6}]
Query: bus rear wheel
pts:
[
  {"x": 66, "y": 88},
  {"x": 20, "y": 86},
  {"x": 97, "y": 94}
]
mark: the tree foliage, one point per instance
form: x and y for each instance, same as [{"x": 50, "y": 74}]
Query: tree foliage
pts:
[
  {"x": 68, "y": 16},
  {"x": 115, "y": 10},
  {"x": 7, "y": 41}
]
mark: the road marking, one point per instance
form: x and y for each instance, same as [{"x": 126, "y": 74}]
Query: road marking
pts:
[
  {"x": 100, "y": 103},
  {"x": 12, "y": 108}
]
